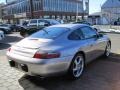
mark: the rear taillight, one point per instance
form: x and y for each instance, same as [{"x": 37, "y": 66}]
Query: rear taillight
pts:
[{"x": 39, "y": 55}]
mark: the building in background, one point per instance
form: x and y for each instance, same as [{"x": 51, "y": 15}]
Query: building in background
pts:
[
  {"x": 1, "y": 5},
  {"x": 10, "y": 1},
  {"x": 95, "y": 18},
  {"x": 110, "y": 11},
  {"x": 19, "y": 10}
]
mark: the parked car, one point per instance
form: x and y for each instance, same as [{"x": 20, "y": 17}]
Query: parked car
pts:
[
  {"x": 82, "y": 22},
  {"x": 1, "y": 35},
  {"x": 17, "y": 27},
  {"x": 59, "y": 49},
  {"x": 14, "y": 27},
  {"x": 6, "y": 28},
  {"x": 36, "y": 24}
]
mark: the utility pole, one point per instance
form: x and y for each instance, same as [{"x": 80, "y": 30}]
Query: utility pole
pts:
[
  {"x": 77, "y": 13},
  {"x": 83, "y": 2},
  {"x": 31, "y": 9},
  {"x": 112, "y": 7}
]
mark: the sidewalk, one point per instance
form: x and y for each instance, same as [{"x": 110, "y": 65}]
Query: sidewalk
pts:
[
  {"x": 9, "y": 76},
  {"x": 108, "y": 28},
  {"x": 110, "y": 31}
]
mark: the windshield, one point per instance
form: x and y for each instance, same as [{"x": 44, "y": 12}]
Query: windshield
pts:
[{"x": 50, "y": 32}]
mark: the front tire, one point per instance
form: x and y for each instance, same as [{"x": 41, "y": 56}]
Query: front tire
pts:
[
  {"x": 107, "y": 50},
  {"x": 24, "y": 34},
  {"x": 77, "y": 66}
]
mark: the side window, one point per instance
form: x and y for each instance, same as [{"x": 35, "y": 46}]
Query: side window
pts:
[
  {"x": 53, "y": 22},
  {"x": 33, "y": 21},
  {"x": 88, "y": 32},
  {"x": 42, "y": 22},
  {"x": 76, "y": 35}
]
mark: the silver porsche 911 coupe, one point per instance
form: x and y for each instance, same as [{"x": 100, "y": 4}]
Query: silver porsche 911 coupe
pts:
[{"x": 59, "y": 49}]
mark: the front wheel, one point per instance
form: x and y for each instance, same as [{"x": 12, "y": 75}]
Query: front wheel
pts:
[
  {"x": 24, "y": 34},
  {"x": 77, "y": 66},
  {"x": 107, "y": 50}
]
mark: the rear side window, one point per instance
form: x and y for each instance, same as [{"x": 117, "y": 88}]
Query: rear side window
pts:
[
  {"x": 50, "y": 32},
  {"x": 76, "y": 35}
]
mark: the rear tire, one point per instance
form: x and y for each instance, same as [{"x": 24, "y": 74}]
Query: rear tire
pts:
[{"x": 77, "y": 67}]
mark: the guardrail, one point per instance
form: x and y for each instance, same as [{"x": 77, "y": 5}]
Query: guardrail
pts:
[{"x": 107, "y": 27}]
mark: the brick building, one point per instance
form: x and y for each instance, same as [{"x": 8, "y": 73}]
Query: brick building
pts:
[
  {"x": 2, "y": 4},
  {"x": 17, "y": 10}
]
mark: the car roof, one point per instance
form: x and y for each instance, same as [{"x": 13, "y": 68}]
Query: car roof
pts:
[
  {"x": 70, "y": 26},
  {"x": 43, "y": 19}
]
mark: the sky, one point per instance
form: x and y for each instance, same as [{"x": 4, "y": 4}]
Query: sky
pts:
[
  {"x": 2, "y": 1},
  {"x": 94, "y": 5}
]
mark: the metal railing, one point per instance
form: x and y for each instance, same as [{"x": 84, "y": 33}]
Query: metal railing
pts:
[{"x": 107, "y": 27}]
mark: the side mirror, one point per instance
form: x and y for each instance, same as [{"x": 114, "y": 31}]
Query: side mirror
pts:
[
  {"x": 97, "y": 30},
  {"x": 100, "y": 35}
]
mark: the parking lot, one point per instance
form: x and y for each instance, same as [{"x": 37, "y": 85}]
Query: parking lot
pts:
[{"x": 101, "y": 74}]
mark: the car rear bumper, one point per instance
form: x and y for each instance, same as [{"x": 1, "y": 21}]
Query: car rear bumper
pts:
[{"x": 42, "y": 67}]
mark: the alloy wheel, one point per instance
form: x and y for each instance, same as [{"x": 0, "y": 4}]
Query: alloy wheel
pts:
[
  {"x": 78, "y": 66},
  {"x": 108, "y": 49}
]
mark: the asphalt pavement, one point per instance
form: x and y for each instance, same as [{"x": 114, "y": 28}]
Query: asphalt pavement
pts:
[{"x": 101, "y": 74}]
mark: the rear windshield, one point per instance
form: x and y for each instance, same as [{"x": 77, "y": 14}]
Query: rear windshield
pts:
[{"x": 50, "y": 32}]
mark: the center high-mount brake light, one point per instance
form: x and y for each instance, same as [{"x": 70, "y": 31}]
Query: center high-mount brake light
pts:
[{"x": 39, "y": 55}]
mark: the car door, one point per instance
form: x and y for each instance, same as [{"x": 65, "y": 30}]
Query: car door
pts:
[
  {"x": 100, "y": 43},
  {"x": 82, "y": 44},
  {"x": 90, "y": 36}
]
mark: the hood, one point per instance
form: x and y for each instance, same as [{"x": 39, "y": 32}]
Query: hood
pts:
[{"x": 33, "y": 43}]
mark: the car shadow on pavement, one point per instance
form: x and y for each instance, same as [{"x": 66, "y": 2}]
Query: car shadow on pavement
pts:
[
  {"x": 52, "y": 83},
  {"x": 100, "y": 74},
  {"x": 4, "y": 46}
]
